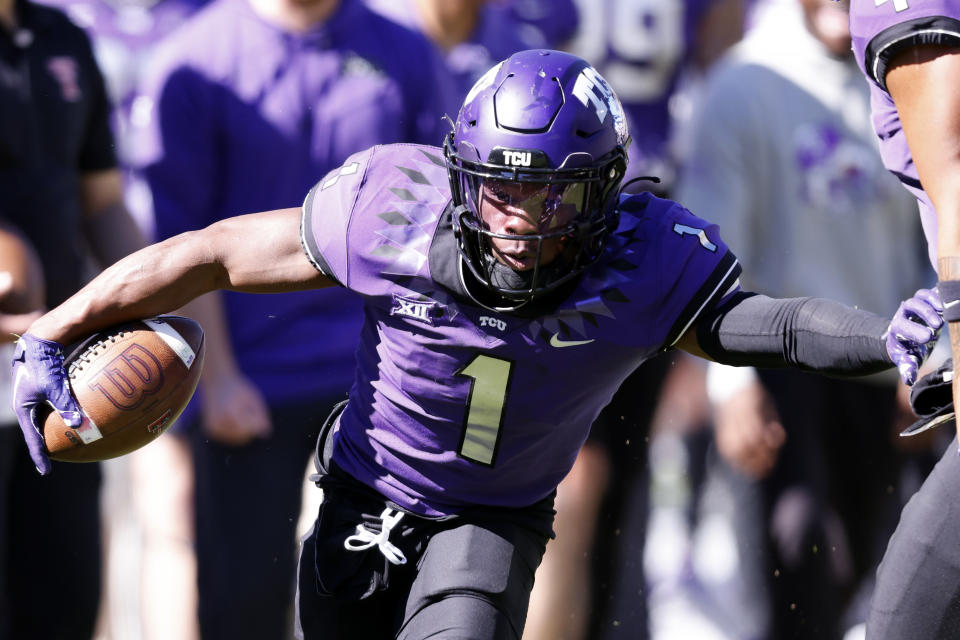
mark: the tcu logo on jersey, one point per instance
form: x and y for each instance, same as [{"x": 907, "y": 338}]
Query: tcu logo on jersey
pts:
[
  {"x": 496, "y": 323},
  {"x": 114, "y": 380},
  {"x": 517, "y": 158},
  {"x": 592, "y": 90}
]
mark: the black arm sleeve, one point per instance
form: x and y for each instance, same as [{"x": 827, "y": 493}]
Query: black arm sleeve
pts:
[{"x": 807, "y": 333}]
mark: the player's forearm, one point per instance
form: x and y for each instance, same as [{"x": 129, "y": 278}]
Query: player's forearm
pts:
[
  {"x": 806, "y": 333},
  {"x": 154, "y": 280},
  {"x": 255, "y": 253}
]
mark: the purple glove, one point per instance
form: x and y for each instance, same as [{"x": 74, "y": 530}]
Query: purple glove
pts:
[
  {"x": 913, "y": 332},
  {"x": 38, "y": 377}
]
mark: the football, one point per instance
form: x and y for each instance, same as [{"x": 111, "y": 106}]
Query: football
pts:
[{"x": 132, "y": 381}]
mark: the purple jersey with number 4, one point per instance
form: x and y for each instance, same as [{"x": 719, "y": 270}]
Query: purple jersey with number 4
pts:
[
  {"x": 880, "y": 30},
  {"x": 455, "y": 404}
]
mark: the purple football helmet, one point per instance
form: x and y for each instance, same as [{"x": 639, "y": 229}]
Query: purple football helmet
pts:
[{"x": 542, "y": 130}]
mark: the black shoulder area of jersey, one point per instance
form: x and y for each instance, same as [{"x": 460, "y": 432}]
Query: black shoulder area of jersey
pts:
[{"x": 885, "y": 45}]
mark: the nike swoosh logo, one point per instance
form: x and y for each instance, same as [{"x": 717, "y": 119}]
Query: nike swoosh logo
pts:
[
  {"x": 951, "y": 303},
  {"x": 555, "y": 341}
]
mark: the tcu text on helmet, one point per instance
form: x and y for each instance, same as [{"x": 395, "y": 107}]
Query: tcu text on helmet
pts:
[
  {"x": 588, "y": 83},
  {"x": 517, "y": 158}
]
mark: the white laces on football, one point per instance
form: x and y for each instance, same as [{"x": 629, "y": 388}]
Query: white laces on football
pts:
[{"x": 364, "y": 538}]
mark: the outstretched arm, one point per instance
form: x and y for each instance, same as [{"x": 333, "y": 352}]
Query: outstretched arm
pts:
[
  {"x": 807, "y": 333},
  {"x": 258, "y": 253},
  {"x": 814, "y": 334}
]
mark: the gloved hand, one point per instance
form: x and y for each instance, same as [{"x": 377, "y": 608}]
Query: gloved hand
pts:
[
  {"x": 38, "y": 377},
  {"x": 913, "y": 332}
]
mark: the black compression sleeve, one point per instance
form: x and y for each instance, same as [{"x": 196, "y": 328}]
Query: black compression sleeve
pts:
[{"x": 808, "y": 333}]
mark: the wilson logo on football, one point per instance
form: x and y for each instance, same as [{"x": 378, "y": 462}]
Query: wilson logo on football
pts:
[{"x": 116, "y": 381}]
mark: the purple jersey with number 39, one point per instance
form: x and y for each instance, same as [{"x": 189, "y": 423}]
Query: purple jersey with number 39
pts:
[
  {"x": 881, "y": 29},
  {"x": 455, "y": 404}
]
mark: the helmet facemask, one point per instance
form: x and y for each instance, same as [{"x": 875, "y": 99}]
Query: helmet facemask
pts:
[{"x": 567, "y": 214}]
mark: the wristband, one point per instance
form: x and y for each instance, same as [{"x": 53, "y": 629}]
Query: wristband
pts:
[{"x": 949, "y": 291}]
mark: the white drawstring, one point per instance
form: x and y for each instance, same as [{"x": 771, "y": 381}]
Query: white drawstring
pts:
[{"x": 364, "y": 538}]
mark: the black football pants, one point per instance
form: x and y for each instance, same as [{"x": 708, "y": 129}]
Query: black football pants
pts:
[
  {"x": 917, "y": 596},
  {"x": 467, "y": 577}
]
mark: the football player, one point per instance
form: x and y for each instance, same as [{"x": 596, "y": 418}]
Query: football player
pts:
[
  {"x": 910, "y": 52},
  {"x": 508, "y": 289}
]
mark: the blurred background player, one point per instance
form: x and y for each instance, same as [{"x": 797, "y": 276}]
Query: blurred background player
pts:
[
  {"x": 61, "y": 187},
  {"x": 124, "y": 35},
  {"x": 593, "y": 570},
  {"x": 246, "y": 104},
  {"x": 783, "y": 159},
  {"x": 647, "y": 50}
]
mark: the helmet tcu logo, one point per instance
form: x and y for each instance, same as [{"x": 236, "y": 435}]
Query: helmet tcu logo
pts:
[
  {"x": 517, "y": 158},
  {"x": 588, "y": 84},
  {"x": 113, "y": 381}
]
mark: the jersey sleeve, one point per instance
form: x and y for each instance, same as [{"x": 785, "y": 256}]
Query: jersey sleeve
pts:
[
  {"x": 880, "y": 29},
  {"x": 695, "y": 269},
  {"x": 371, "y": 221},
  {"x": 326, "y": 215}
]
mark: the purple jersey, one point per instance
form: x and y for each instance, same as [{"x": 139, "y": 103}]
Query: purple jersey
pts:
[
  {"x": 881, "y": 29},
  {"x": 244, "y": 117},
  {"x": 456, "y": 404}
]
